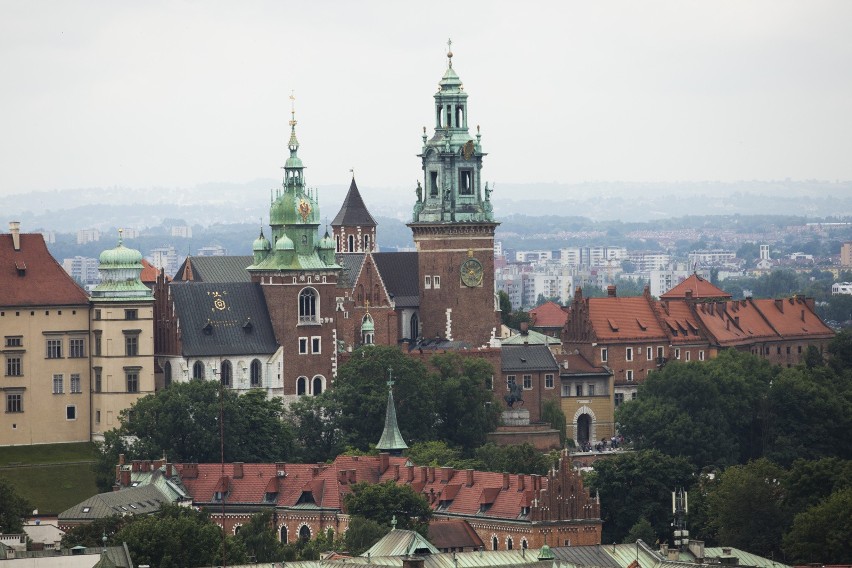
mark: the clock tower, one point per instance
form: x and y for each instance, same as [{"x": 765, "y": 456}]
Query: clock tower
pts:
[{"x": 453, "y": 226}]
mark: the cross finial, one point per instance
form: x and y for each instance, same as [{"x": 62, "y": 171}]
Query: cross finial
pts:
[
  {"x": 292, "y": 108},
  {"x": 390, "y": 378},
  {"x": 352, "y": 171},
  {"x": 450, "y": 51},
  {"x": 393, "y": 523}
]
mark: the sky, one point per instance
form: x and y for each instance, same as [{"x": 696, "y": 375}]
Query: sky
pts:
[{"x": 174, "y": 94}]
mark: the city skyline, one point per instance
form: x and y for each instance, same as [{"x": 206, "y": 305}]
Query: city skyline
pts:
[{"x": 179, "y": 94}]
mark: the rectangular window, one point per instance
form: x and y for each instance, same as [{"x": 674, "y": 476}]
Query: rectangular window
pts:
[
  {"x": 131, "y": 314},
  {"x": 427, "y": 283},
  {"x": 70, "y": 412},
  {"x": 578, "y": 390},
  {"x": 628, "y": 374},
  {"x": 58, "y": 384},
  {"x": 54, "y": 348},
  {"x": 628, "y": 354},
  {"x": 13, "y": 366},
  {"x": 97, "y": 416},
  {"x": 76, "y": 348},
  {"x": 548, "y": 381},
  {"x": 316, "y": 345},
  {"x": 800, "y": 348},
  {"x": 527, "y": 382},
  {"x": 603, "y": 355},
  {"x": 303, "y": 345},
  {"x": 677, "y": 353},
  {"x": 98, "y": 382},
  {"x": 75, "y": 384},
  {"x": 510, "y": 380},
  {"x": 97, "y": 314},
  {"x": 98, "y": 345},
  {"x": 591, "y": 390},
  {"x": 14, "y": 402},
  {"x": 436, "y": 281},
  {"x": 619, "y": 399},
  {"x": 778, "y": 352},
  {"x": 566, "y": 390},
  {"x": 132, "y": 381},
  {"x": 788, "y": 350},
  {"x": 660, "y": 352},
  {"x": 650, "y": 353},
  {"x": 701, "y": 355},
  {"x": 688, "y": 354},
  {"x": 14, "y": 341},
  {"x": 131, "y": 345},
  {"x": 633, "y": 395},
  {"x": 489, "y": 383}
]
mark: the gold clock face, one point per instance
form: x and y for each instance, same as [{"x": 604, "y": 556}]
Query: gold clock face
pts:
[{"x": 471, "y": 273}]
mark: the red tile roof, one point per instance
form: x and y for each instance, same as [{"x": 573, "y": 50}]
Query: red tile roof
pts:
[
  {"x": 679, "y": 322},
  {"x": 578, "y": 365},
  {"x": 793, "y": 317},
  {"x": 455, "y": 534},
  {"x": 549, "y": 314},
  {"x": 150, "y": 272},
  {"x": 622, "y": 319},
  {"x": 695, "y": 287},
  {"x": 31, "y": 277},
  {"x": 735, "y": 322}
]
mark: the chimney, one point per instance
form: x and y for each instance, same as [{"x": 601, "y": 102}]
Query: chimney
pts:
[
  {"x": 314, "y": 471},
  {"x": 157, "y": 464},
  {"x": 135, "y": 465},
  {"x": 143, "y": 465},
  {"x": 610, "y": 291},
  {"x": 238, "y": 470},
  {"x": 525, "y": 328},
  {"x": 468, "y": 477},
  {"x": 125, "y": 477},
  {"x": 120, "y": 459},
  {"x": 696, "y": 547},
  {"x": 674, "y": 554},
  {"x": 169, "y": 469},
  {"x": 505, "y": 481},
  {"x": 351, "y": 475},
  {"x": 431, "y": 474},
  {"x": 664, "y": 550},
  {"x": 409, "y": 473},
  {"x": 384, "y": 461},
  {"x": 536, "y": 481},
  {"x": 424, "y": 476},
  {"x": 190, "y": 470},
  {"x": 15, "y": 229},
  {"x": 396, "y": 472},
  {"x": 413, "y": 562},
  {"x": 520, "y": 482},
  {"x": 341, "y": 476},
  {"x": 737, "y": 321},
  {"x": 280, "y": 469},
  {"x": 780, "y": 305},
  {"x": 446, "y": 474}
]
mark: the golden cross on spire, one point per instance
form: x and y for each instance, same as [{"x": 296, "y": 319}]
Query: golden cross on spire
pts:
[
  {"x": 292, "y": 108},
  {"x": 450, "y": 51}
]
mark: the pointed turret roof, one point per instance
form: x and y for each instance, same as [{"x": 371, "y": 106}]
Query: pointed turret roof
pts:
[
  {"x": 353, "y": 211},
  {"x": 391, "y": 440}
]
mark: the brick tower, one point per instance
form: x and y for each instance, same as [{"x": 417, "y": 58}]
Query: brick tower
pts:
[{"x": 453, "y": 226}]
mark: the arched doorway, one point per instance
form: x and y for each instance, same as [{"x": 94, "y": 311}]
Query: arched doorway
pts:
[{"x": 584, "y": 429}]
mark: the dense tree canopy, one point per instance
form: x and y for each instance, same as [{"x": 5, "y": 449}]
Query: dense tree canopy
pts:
[
  {"x": 823, "y": 532},
  {"x": 13, "y": 509},
  {"x": 382, "y": 502}
]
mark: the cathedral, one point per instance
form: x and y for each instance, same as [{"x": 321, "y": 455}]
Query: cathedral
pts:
[{"x": 282, "y": 318}]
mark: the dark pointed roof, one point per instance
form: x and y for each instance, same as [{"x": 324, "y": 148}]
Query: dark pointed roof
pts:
[
  {"x": 400, "y": 273},
  {"x": 353, "y": 211},
  {"x": 213, "y": 269},
  {"x": 391, "y": 439}
]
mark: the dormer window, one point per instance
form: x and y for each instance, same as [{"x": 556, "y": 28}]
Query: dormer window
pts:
[{"x": 270, "y": 497}]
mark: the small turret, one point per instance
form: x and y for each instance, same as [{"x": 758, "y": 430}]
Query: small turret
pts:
[
  {"x": 391, "y": 440},
  {"x": 260, "y": 247}
]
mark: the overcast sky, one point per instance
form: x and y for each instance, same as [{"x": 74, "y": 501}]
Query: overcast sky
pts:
[{"x": 172, "y": 94}]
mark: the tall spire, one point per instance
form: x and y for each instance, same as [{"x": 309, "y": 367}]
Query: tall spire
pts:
[
  {"x": 294, "y": 143},
  {"x": 391, "y": 440}
]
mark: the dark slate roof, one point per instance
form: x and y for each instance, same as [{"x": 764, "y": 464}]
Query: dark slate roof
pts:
[
  {"x": 238, "y": 325},
  {"x": 453, "y": 534},
  {"x": 585, "y": 556},
  {"x": 141, "y": 500},
  {"x": 214, "y": 269},
  {"x": 401, "y": 275},
  {"x": 439, "y": 344},
  {"x": 351, "y": 263},
  {"x": 32, "y": 277},
  {"x": 527, "y": 358},
  {"x": 353, "y": 211}
]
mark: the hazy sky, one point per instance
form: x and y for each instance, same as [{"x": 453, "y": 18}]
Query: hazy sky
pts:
[{"x": 172, "y": 94}]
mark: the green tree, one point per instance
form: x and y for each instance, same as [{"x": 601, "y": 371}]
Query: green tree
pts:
[
  {"x": 552, "y": 414},
  {"x": 641, "y": 530},
  {"x": 315, "y": 427},
  {"x": 381, "y": 502},
  {"x": 840, "y": 351},
  {"x": 809, "y": 482},
  {"x": 638, "y": 485},
  {"x": 465, "y": 408},
  {"x": 13, "y": 509},
  {"x": 711, "y": 412},
  {"x": 822, "y": 533},
  {"x": 260, "y": 539},
  {"x": 362, "y": 534},
  {"x": 91, "y": 534},
  {"x": 746, "y": 507},
  {"x": 178, "y": 537},
  {"x": 434, "y": 453},
  {"x": 516, "y": 458}
]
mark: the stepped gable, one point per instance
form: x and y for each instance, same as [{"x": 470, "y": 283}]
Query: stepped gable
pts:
[
  {"x": 30, "y": 276},
  {"x": 353, "y": 211},
  {"x": 793, "y": 317},
  {"x": 695, "y": 287},
  {"x": 616, "y": 319},
  {"x": 549, "y": 314},
  {"x": 400, "y": 273},
  {"x": 223, "y": 319},
  {"x": 214, "y": 269},
  {"x": 735, "y": 322}
]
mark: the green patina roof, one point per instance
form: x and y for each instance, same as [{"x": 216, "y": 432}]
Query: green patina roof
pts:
[
  {"x": 368, "y": 324},
  {"x": 391, "y": 436},
  {"x": 121, "y": 270}
]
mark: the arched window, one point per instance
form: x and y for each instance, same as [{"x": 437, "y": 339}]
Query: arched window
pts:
[
  {"x": 366, "y": 243},
  {"x": 360, "y": 294},
  {"x": 317, "y": 386},
  {"x": 305, "y": 533},
  {"x": 524, "y": 544},
  {"x": 337, "y": 239},
  {"x": 308, "y": 306},
  {"x": 351, "y": 242},
  {"x": 494, "y": 543},
  {"x": 376, "y": 295},
  {"x": 226, "y": 374},
  {"x": 237, "y": 529},
  {"x": 198, "y": 370},
  {"x": 414, "y": 327},
  {"x": 255, "y": 373},
  {"x": 167, "y": 374},
  {"x": 301, "y": 385},
  {"x": 284, "y": 534},
  {"x": 509, "y": 543}
]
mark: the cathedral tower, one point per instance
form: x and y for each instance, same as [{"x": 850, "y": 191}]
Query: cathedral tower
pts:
[
  {"x": 298, "y": 275},
  {"x": 453, "y": 225}
]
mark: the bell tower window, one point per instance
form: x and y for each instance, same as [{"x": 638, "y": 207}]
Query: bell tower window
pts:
[
  {"x": 351, "y": 243},
  {"x": 460, "y": 122},
  {"x": 438, "y": 116},
  {"x": 433, "y": 184},
  {"x": 308, "y": 312},
  {"x": 465, "y": 182}
]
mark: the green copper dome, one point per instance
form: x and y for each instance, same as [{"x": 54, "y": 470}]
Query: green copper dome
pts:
[
  {"x": 368, "y": 324},
  {"x": 284, "y": 243},
  {"x": 326, "y": 242},
  {"x": 120, "y": 257},
  {"x": 261, "y": 244},
  {"x": 120, "y": 269}
]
